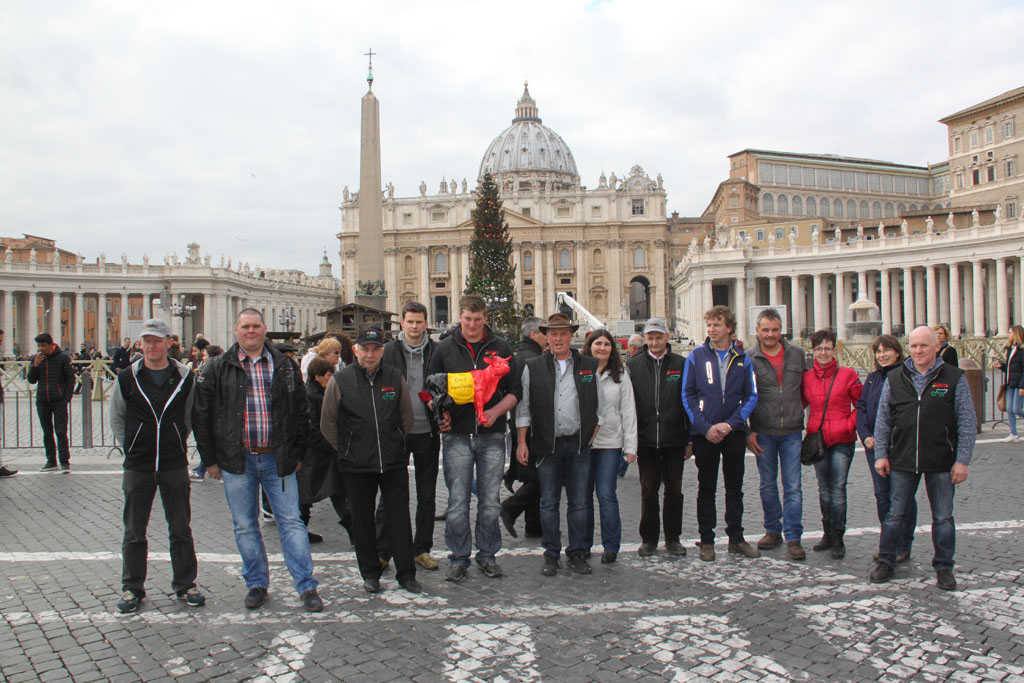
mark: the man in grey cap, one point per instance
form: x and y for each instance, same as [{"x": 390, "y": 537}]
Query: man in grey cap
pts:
[{"x": 150, "y": 415}]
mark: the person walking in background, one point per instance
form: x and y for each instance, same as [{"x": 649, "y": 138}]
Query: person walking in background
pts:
[
  {"x": 831, "y": 392},
  {"x": 51, "y": 369},
  {"x": 122, "y": 355},
  {"x": 888, "y": 357},
  {"x": 948, "y": 353},
  {"x": 615, "y": 441},
  {"x": 1013, "y": 380},
  {"x": 150, "y": 413}
]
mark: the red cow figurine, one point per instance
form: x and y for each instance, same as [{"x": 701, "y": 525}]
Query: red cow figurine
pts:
[{"x": 486, "y": 381}]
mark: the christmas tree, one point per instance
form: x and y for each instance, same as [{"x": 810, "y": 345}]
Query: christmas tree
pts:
[{"x": 491, "y": 273}]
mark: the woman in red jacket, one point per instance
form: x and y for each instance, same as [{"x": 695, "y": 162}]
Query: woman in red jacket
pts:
[{"x": 839, "y": 431}]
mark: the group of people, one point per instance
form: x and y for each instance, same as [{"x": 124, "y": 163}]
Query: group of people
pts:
[{"x": 568, "y": 419}]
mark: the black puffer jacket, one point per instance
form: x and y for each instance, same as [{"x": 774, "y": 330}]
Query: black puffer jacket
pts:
[
  {"x": 55, "y": 376},
  {"x": 219, "y": 410}
]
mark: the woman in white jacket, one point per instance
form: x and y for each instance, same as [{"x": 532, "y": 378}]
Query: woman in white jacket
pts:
[{"x": 616, "y": 436}]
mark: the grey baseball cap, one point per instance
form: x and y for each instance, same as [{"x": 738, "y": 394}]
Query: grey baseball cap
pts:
[
  {"x": 155, "y": 327},
  {"x": 655, "y": 325}
]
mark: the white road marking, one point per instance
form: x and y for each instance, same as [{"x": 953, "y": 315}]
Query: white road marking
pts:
[
  {"x": 289, "y": 650},
  {"x": 491, "y": 652}
]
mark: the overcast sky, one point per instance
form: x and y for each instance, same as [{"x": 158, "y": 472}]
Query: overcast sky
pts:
[{"x": 139, "y": 127}]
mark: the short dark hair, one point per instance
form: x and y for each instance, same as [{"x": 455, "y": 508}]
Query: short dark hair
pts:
[
  {"x": 822, "y": 336},
  {"x": 44, "y": 338},
  {"x": 250, "y": 311},
  {"x": 723, "y": 312},
  {"x": 889, "y": 342},
  {"x": 474, "y": 303},
  {"x": 414, "y": 307},
  {"x": 770, "y": 314},
  {"x": 212, "y": 351},
  {"x": 319, "y": 366}
]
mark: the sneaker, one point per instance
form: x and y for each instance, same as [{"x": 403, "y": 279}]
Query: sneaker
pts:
[
  {"x": 675, "y": 548},
  {"x": 796, "y": 551},
  {"x": 646, "y": 549},
  {"x": 1011, "y": 438},
  {"x": 579, "y": 565},
  {"x": 65, "y": 468},
  {"x": 411, "y": 585},
  {"x": 510, "y": 524},
  {"x": 769, "y": 540},
  {"x": 945, "y": 579},
  {"x": 4, "y": 472},
  {"x": 311, "y": 601},
  {"x": 744, "y": 549},
  {"x": 129, "y": 602},
  {"x": 192, "y": 597},
  {"x": 609, "y": 558},
  {"x": 255, "y": 597},
  {"x": 314, "y": 538},
  {"x": 49, "y": 467},
  {"x": 195, "y": 476},
  {"x": 491, "y": 569},
  {"x": 371, "y": 585},
  {"x": 707, "y": 552},
  {"x": 551, "y": 566},
  {"x": 456, "y": 573},
  {"x": 881, "y": 573},
  {"x": 425, "y": 561}
]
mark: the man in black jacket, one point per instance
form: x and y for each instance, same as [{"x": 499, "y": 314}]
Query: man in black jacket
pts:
[
  {"x": 367, "y": 414},
  {"x": 474, "y": 448},
  {"x": 150, "y": 414},
  {"x": 251, "y": 425},
  {"x": 526, "y": 500},
  {"x": 410, "y": 353},
  {"x": 122, "y": 355},
  {"x": 51, "y": 368},
  {"x": 663, "y": 432}
]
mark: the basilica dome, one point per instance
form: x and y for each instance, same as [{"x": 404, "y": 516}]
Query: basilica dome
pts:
[{"x": 529, "y": 156}]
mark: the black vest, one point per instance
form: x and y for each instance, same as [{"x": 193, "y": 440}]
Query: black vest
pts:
[
  {"x": 155, "y": 436},
  {"x": 542, "y": 400},
  {"x": 370, "y": 435},
  {"x": 924, "y": 429}
]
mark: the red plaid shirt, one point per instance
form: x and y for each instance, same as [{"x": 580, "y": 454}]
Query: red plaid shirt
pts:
[{"x": 258, "y": 432}]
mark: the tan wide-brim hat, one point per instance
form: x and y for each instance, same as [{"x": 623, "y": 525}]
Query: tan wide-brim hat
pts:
[{"x": 558, "y": 321}]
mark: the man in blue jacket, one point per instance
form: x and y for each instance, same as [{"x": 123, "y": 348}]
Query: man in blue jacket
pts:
[{"x": 719, "y": 394}]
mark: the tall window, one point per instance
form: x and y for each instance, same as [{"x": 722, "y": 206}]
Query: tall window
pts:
[
  {"x": 1008, "y": 129},
  {"x": 901, "y": 208},
  {"x": 976, "y": 177},
  {"x": 760, "y": 235},
  {"x": 564, "y": 259},
  {"x": 1011, "y": 209},
  {"x": 990, "y": 173},
  {"x": 864, "y": 209},
  {"x": 783, "y": 204},
  {"x": 639, "y": 258},
  {"x": 528, "y": 261},
  {"x": 780, "y": 233},
  {"x": 851, "y": 208},
  {"x": 837, "y": 207},
  {"x": 1010, "y": 168},
  {"x": 890, "y": 210},
  {"x": 798, "y": 205},
  {"x": 956, "y": 144},
  {"x": 440, "y": 262},
  {"x": 598, "y": 259},
  {"x": 825, "y": 204},
  {"x": 812, "y": 206},
  {"x": 876, "y": 209},
  {"x": 973, "y": 137},
  {"x": 767, "y": 203},
  {"x": 990, "y": 135}
]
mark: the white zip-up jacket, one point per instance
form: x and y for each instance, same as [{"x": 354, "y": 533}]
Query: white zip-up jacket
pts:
[{"x": 619, "y": 427}]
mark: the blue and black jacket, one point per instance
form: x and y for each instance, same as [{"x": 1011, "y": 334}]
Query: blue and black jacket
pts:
[{"x": 707, "y": 401}]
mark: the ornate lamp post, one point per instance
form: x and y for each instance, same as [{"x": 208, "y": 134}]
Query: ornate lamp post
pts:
[{"x": 287, "y": 319}]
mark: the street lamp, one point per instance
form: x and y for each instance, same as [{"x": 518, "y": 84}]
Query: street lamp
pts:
[{"x": 287, "y": 319}]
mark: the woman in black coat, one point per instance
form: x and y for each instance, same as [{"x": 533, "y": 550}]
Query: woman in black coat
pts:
[
  {"x": 947, "y": 353},
  {"x": 318, "y": 477}
]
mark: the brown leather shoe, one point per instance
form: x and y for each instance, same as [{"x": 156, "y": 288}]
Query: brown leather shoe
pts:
[
  {"x": 796, "y": 551},
  {"x": 744, "y": 549},
  {"x": 769, "y": 540},
  {"x": 707, "y": 552}
]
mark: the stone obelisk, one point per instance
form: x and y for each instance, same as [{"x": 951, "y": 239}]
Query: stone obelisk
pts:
[{"x": 370, "y": 290}]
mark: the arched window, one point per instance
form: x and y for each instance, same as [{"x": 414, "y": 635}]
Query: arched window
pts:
[
  {"x": 864, "y": 209},
  {"x": 798, "y": 205},
  {"x": 564, "y": 259},
  {"x": 838, "y": 206},
  {"x": 890, "y": 211},
  {"x": 767, "y": 203},
  {"x": 527, "y": 261},
  {"x": 851, "y": 208},
  {"x": 598, "y": 259},
  {"x": 783, "y": 204},
  {"x": 876, "y": 209},
  {"x": 901, "y": 208},
  {"x": 639, "y": 258},
  {"x": 812, "y": 206},
  {"x": 408, "y": 264},
  {"x": 440, "y": 262},
  {"x": 913, "y": 207},
  {"x": 825, "y": 206}
]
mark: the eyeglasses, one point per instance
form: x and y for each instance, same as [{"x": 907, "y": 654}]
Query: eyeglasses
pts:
[{"x": 824, "y": 349}]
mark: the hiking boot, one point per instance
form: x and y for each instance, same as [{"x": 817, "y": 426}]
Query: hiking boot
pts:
[
  {"x": 945, "y": 580},
  {"x": 425, "y": 561},
  {"x": 192, "y": 597},
  {"x": 129, "y": 602},
  {"x": 881, "y": 573},
  {"x": 707, "y": 552},
  {"x": 796, "y": 551},
  {"x": 769, "y": 540},
  {"x": 745, "y": 549},
  {"x": 579, "y": 564},
  {"x": 311, "y": 601},
  {"x": 824, "y": 544},
  {"x": 646, "y": 549},
  {"x": 551, "y": 566},
  {"x": 456, "y": 573},
  {"x": 491, "y": 569},
  {"x": 255, "y": 597},
  {"x": 675, "y": 548}
]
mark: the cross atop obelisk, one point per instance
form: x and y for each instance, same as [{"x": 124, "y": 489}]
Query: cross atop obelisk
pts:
[{"x": 369, "y": 76}]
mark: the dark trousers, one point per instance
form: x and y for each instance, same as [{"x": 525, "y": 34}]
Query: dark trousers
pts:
[
  {"x": 53, "y": 417},
  {"x": 139, "y": 490},
  {"x": 660, "y": 466},
  {"x": 526, "y": 500},
  {"x": 426, "y": 449},
  {"x": 362, "y": 497},
  {"x": 730, "y": 452}
]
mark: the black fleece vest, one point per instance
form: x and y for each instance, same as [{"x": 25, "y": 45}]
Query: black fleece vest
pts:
[
  {"x": 542, "y": 400},
  {"x": 370, "y": 436},
  {"x": 924, "y": 430}
]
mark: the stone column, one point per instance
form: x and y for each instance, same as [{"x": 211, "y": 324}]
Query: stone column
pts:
[
  {"x": 8, "y": 304},
  {"x": 886, "y": 303},
  {"x": 457, "y": 281},
  {"x": 539, "y": 299},
  {"x": 425, "y": 298},
  {"x": 31, "y": 320},
  {"x": 101, "y": 322},
  {"x": 773, "y": 290},
  {"x": 549, "y": 270},
  {"x": 842, "y": 302},
  {"x": 796, "y": 319},
  {"x": 920, "y": 304},
  {"x": 954, "y": 299},
  {"x": 147, "y": 307},
  {"x": 978, "y": 299},
  {"x": 660, "y": 285},
  {"x": 1002, "y": 298},
  {"x": 820, "y": 302},
  {"x": 54, "y": 323},
  {"x": 464, "y": 263},
  {"x": 943, "y": 274},
  {"x": 862, "y": 285},
  {"x": 991, "y": 315},
  {"x": 740, "y": 287},
  {"x": 613, "y": 254},
  {"x": 706, "y": 297},
  {"x": 582, "y": 295},
  {"x": 391, "y": 278},
  {"x": 931, "y": 295},
  {"x": 894, "y": 304},
  {"x": 872, "y": 289},
  {"x": 968, "y": 290},
  {"x": 210, "y": 315},
  {"x": 908, "y": 300},
  {"x": 124, "y": 317}
]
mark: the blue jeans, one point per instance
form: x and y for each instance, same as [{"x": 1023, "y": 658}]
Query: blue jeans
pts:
[
  {"x": 940, "y": 496},
  {"x": 832, "y": 472},
  {"x": 1014, "y": 407},
  {"x": 569, "y": 465},
  {"x": 883, "y": 500},
  {"x": 781, "y": 453},
  {"x": 242, "y": 492},
  {"x": 604, "y": 475},
  {"x": 463, "y": 453}
]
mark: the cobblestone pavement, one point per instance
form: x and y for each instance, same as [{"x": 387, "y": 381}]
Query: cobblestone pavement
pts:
[{"x": 660, "y": 618}]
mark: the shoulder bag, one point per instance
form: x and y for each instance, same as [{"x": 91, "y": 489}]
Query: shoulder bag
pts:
[{"x": 812, "y": 449}]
